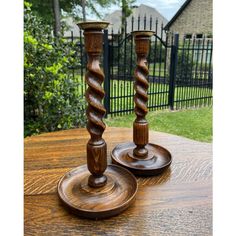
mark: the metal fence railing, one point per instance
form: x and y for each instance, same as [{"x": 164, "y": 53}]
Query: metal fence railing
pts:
[
  {"x": 193, "y": 80},
  {"x": 180, "y": 69}
]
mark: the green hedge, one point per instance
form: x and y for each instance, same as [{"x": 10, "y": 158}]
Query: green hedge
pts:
[{"x": 52, "y": 100}]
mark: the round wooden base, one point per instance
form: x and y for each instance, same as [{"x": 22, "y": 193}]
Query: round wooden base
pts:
[
  {"x": 102, "y": 202},
  {"x": 157, "y": 161}
]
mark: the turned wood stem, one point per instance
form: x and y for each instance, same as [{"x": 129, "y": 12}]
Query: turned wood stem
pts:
[
  {"x": 140, "y": 125},
  {"x": 96, "y": 146}
]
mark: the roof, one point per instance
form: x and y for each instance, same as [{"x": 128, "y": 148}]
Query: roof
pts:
[
  {"x": 177, "y": 14},
  {"x": 115, "y": 19},
  {"x": 72, "y": 27}
]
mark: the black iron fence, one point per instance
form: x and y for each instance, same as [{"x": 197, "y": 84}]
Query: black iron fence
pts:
[
  {"x": 180, "y": 69},
  {"x": 193, "y": 78}
]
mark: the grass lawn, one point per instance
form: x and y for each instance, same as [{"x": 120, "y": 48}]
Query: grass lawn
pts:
[
  {"x": 119, "y": 89},
  {"x": 194, "y": 124},
  {"x": 159, "y": 69},
  {"x": 159, "y": 95}
]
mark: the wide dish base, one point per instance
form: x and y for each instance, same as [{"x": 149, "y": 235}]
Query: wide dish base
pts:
[
  {"x": 96, "y": 203},
  {"x": 157, "y": 161}
]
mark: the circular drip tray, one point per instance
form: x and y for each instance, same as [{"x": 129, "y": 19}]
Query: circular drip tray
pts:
[
  {"x": 96, "y": 203},
  {"x": 157, "y": 161}
]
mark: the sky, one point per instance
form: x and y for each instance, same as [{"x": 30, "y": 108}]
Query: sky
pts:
[{"x": 166, "y": 7}]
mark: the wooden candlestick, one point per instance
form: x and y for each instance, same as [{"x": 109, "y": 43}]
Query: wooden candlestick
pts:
[
  {"x": 140, "y": 126},
  {"x": 87, "y": 190},
  {"x": 96, "y": 146},
  {"x": 141, "y": 157}
]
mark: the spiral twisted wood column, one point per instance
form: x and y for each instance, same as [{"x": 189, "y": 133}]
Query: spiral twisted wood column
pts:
[
  {"x": 140, "y": 126},
  {"x": 141, "y": 157},
  {"x": 86, "y": 190},
  {"x": 96, "y": 147}
]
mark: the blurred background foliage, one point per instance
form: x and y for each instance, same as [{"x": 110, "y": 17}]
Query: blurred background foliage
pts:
[{"x": 52, "y": 98}]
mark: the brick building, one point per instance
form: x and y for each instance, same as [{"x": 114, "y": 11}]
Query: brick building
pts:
[{"x": 193, "y": 18}]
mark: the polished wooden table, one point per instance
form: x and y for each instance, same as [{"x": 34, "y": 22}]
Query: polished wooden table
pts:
[{"x": 178, "y": 202}]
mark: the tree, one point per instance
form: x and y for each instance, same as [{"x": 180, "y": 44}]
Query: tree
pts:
[
  {"x": 52, "y": 97},
  {"x": 83, "y": 3},
  {"x": 126, "y": 9},
  {"x": 50, "y": 11},
  {"x": 57, "y": 17}
]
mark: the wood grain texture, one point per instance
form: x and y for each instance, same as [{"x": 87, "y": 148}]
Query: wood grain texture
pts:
[
  {"x": 178, "y": 202},
  {"x": 96, "y": 146},
  {"x": 140, "y": 125}
]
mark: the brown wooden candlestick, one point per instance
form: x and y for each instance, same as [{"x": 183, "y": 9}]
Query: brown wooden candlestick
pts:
[
  {"x": 86, "y": 190},
  {"x": 141, "y": 157},
  {"x": 140, "y": 126},
  {"x": 96, "y": 147}
]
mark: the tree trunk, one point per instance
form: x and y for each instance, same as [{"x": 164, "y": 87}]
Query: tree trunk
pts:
[
  {"x": 57, "y": 17},
  {"x": 123, "y": 17},
  {"x": 83, "y": 3}
]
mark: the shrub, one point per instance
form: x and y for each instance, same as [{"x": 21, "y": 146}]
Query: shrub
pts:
[
  {"x": 184, "y": 66},
  {"x": 52, "y": 100},
  {"x": 158, "y": 55}
]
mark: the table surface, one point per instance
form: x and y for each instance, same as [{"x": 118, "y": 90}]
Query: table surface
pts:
[{"x": 178, "y": 202}]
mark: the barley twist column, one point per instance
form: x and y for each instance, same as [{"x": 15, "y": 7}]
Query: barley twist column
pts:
[
  {"x": 96, "y": 147},
  {"x": 140, "y": 126}
]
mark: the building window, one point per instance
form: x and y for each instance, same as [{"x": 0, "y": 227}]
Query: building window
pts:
[
  {"x": 209, "y": 36},
  {"x": 188, "y": 36},
  {"x": 199, "y": 36}
]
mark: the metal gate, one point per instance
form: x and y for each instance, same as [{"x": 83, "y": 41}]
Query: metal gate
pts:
[{"x": 119, "y": 65}]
